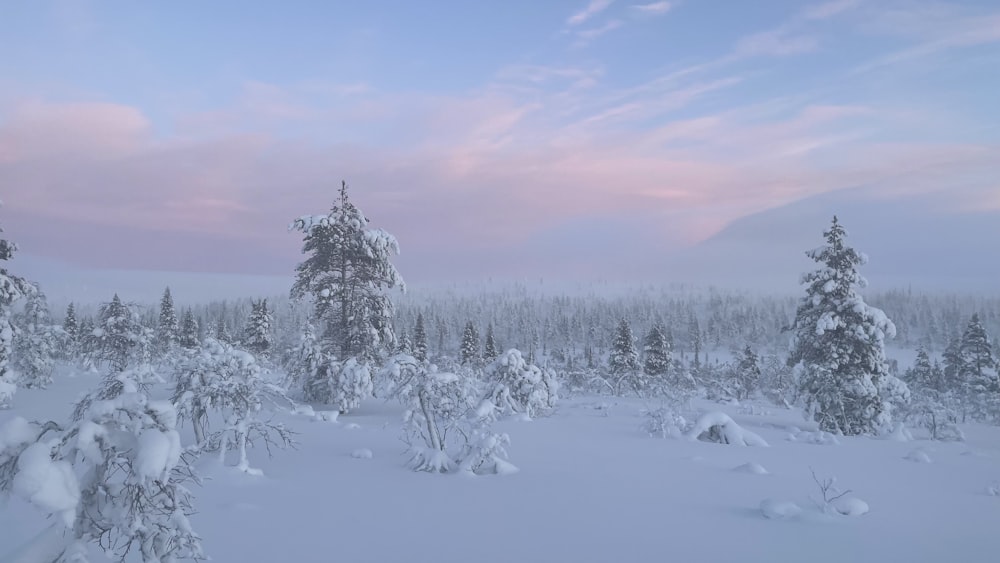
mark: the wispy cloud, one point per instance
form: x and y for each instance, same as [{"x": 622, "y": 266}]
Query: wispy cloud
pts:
[
  {"x": 653, "y": 8},
  {"x": 779, "y": 42},
  {"x": 951, "y": 34},
  {"x": 829, "y": 9},
  {"x": 585, "y": 36},
  {"x": 592, "y": 9}
]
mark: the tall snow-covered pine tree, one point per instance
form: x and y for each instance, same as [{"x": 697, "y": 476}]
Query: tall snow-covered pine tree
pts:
[{"x": 839, "y": 343}]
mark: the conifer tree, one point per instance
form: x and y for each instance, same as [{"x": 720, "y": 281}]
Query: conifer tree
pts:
[
  {"x": 656, "y": 353},
  {"x": 347, "y": 272},
  {"x": 978, "y": 372},
  {"x": 420, "y": 339},
  {"x": 405, "y": 345},
  {"x": 12, "y": 289},
  {"x": 167, "y": 328},
  {"x": 624, "y": 361},
  {"x": 36, "y": 343},
  {"x": 470, "y": 344},
  {"x": 933, "y": 406},
  {"x": 746, "y": 374},
  {"x": 839, "y": 343},
  {"x": 117, "y": 335},
  {"x": 490, "y": 349},
  {"x": 258, "y": 337},
  {"x": 189, "y": 339},
  {"x": 72, "y": 330}
]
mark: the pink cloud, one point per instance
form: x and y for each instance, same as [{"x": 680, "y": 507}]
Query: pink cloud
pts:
[{"x": 485, "y": 175}]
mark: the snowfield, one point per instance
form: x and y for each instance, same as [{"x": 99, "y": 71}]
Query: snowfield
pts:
[{"x": 592, "y": 486}]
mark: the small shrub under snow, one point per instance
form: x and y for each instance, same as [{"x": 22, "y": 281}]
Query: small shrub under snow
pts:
[
  {"x": 752, "y": 468},
  {"x": 819, "y": 438},
  {"x": 918, "y": 455},
  {"x": 719, "y": 428},
  {"x": 779, "y": 509}
]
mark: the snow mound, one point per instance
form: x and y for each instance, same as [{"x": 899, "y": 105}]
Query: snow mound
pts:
[
  {"x": 752, "y": 468},
  {"x": 326, "y": 416},
  {"x": 15, "y": 432},
  {"x": 918, "y": 456},
  {"x": 49, "y": 485},
  {"x": 850, "y": 506},
  {"x": 719, "y": 428},
  {"x": 304, "y": 410},
  {"x": 362, "y": 453},
  {"x": 899, "y": 433},
  {"x": 353, "y": 426},
  {"x": 993, "y": 489},
  {"x": 819, "y": 438},
  {"x": 779, "y": 509}
]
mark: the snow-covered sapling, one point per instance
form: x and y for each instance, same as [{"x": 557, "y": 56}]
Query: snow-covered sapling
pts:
[
  {"x": 446, "y": 426},
  {"x": 526, "y": 388},
  {"x": 114, "y": 477},
  {"x": 833, "y": 500},
  {"x": 220, "y": 378}
]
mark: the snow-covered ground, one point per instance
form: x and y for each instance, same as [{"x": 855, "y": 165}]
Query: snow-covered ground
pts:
[{"x": 592, "y": 486}]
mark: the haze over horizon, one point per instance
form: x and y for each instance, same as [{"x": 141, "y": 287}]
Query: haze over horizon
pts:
[{"x": 567, "y": 140}]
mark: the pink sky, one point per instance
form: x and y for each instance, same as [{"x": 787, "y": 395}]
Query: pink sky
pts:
[{"x": 523, "y": 169}]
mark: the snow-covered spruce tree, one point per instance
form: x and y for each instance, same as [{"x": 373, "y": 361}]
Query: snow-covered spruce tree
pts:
[
  {"x": 12, "y": 289},
  {"x": 167, "y": 327},
  {"x": 490, "y": 349},
  {"x": 71, "y": 329},
  {"x": 420, "y": 339},
  {"x": 36, "y": 343},
  {"x": 118, "y": 332},
  {"x": 447, "y": 427},
  {"x": 221, "y": 331},
  {"x": 347, "y": 272},
  {"x": 470, "y": 345},
  {"x": 258, "y": 336},
  {"x": 114, "y": 477},
  {"x": 977, "y": 372},
  {"x": 624, "y": 362},
  {"x": 521, "y": 387},
  {"x": 932, "y": 406},
  {"x": 306, "y": 359},
  {"x": 188, "y": 338},
  {"x": 218, "y": 377},
  {"x": 745, "y": 374},
  {"x": 656, "y": 358},
  {"x": 839, "y": 344}
]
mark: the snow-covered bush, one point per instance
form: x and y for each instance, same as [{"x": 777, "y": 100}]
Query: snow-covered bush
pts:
[
  {"x": 447, "y": 425},
  {"x": 218, "y": 377},
  {"x": 719, "y": 428},
  {"x": 531, "y": 390},
  {"x": 663, "y": 422},
  {"x": 114, "y": 477},
  {"x": 316, "y": 376}
]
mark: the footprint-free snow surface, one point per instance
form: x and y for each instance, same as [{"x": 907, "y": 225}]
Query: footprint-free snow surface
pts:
[{"x": 592, "y": 486}]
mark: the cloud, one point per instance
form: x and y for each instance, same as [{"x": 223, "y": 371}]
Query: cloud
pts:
[
  {"x": 592, "y": 9},
  {"x": 829, "y": 9},
  {"x": 585, "y": 36},
  {"x": 779, "y": 42},
  {"x": 653, "y": 8},
  {"x": 946, "y": 35},
  {"x": 491, "y": 175}
]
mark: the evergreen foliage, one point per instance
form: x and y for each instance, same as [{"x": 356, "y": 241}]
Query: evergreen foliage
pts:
[{"x": 839, "y": 344}]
